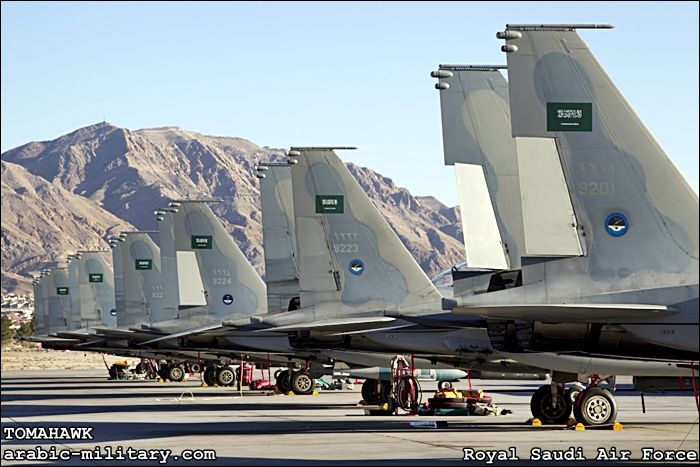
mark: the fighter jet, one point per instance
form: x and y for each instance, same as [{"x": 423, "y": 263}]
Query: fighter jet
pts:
[{"x": 608, "y": 276}]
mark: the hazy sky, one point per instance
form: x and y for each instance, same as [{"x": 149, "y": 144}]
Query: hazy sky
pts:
[{"x": 283, "y": 74}]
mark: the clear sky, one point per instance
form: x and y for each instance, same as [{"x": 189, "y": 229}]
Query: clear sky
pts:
[{"x": 283, "y": 74}]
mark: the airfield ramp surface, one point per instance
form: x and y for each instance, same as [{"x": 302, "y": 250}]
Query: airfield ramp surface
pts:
[{"x": 169, "y": 420}]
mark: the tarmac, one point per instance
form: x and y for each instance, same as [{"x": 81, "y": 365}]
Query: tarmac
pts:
[{"x": 220, "y": 426}]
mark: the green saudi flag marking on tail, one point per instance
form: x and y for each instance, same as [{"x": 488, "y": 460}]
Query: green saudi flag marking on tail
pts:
[
  {"x": 201, "y": 242},
  {"x": 330, "y": 204},
  {"x": 95, "y": 277},
  {"x": 61, "y": 290},
  {"x": 569, "y": 116},
  {"x": 144, "y": 264}
]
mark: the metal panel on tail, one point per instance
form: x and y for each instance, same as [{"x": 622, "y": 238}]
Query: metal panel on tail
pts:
[
  {"x": 482, "y": 238},
  {"x": 548, "y": 218}
]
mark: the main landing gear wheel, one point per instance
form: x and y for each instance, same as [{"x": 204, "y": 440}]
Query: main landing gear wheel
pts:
[
  {"x": 302, "y": 383},
  {"x": 595, "y": 406},
  {"x": 210, "y": 376},
  {"x": 374, "y": 393},
  {"x": 282, "y": 381},
  {"x": 175, "y": 373},
  {"x": 226, "y": 376},
  {"x": 370, "y": 391},
  {"x": 573, "y": 391},
  {"x": 544, "y": 408}
]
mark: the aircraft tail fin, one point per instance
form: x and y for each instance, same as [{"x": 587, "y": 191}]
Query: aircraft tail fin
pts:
[
  {"x": 348, "y": 254},
  {"x": 91, "y": 292},
  {"x": 231, "y": 285},
  {"x": 140, "y": 287},
  {"x": 279, "y": 236},
  {"x": 39, "y": 325},
  {"x": 477, "y": 141},
  {"x": 56, "y": 300},
  {"x": 627, "y": 195}
]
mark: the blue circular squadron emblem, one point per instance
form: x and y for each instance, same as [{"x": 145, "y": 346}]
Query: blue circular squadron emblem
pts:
[
  {"x": 227, "y": 299},
  {"x": 616, "y": 224},
  {"x": 113, "y": 312},
  {"x": 357, "y": 267}
]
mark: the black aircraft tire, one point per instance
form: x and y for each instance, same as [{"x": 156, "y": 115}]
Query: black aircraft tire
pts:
[
  {"x": 370, "y": 391},
  {"x": 175, "y": 373},
  {"x": 210, "y": 376},
  {"x": 542, "y": 407},
  {"x": 282, "y": 382},
  {"x": 226, "y": 376},
  {"x": 595, "y": 407},
  {"x": 302, "y": 383}
]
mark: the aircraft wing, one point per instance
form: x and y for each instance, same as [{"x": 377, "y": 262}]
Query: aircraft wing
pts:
[
  {"x": 91, "y": 343},
  {"x": 111, "y": 332},
  {"x": 73, "y": 335},
  {"x": 188, "y": 332},
  {"x": 375, "y": 329},
  {"x": 570, "y": 312},
  {"x": 51, "y": 340},
  {"x": 334, "y": 325}
]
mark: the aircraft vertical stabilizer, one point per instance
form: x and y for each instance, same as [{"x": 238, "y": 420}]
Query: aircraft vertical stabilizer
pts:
[
  {"x": 637, "y": 212},
  {"x": 349, "y": 256},
  {"x": 231, "y": 285},
  {"x": 279, "y": 236},
  {"x": 477, "y": 141}
]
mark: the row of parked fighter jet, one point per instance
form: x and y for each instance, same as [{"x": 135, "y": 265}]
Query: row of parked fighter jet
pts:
[{"x": 581, "y": 238}]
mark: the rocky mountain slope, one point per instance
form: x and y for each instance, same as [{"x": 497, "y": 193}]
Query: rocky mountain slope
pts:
[
  {"x": 41, "y": 222},
  {"x": 102, "y": 178}
]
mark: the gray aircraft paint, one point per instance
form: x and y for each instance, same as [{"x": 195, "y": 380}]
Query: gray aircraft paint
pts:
[
  {"x": 95, "y": 300},
  {"x": 168, "y": 259},
  {"x": 39, "y": 324},
  {"x": 118, "y": 271},
  {"x": 76, "y": 318},
  {"x": 616, "y": 167},
  {"x": 329, "y": 243},
  {"x": 142, "y": 283},
  {"x": 476, "y": 130},
  {"x": 224, "y": 269},
  {"x": 279, "y": 236},
  {"x": 56, "y": 305}
]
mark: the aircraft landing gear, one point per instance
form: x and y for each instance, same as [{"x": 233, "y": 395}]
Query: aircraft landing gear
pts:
[
  {"x": 591, "y": 405},
  {"x": 551, "y": 404},
  {"x": 595, "y": 406},
  {"x": 282, "y": 381},
  {"x": 209, "y": 375},
  {"x": 376, "y": 392},
  {"x": 225, "y": 376},
  {"x": 174, "y": 373},
  {"x": 302, "y": 383}
]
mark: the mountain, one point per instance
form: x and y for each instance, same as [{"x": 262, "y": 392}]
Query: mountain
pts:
[
  {"x": 41, "y": 222},
  {"x": 103, "y": 170}
]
